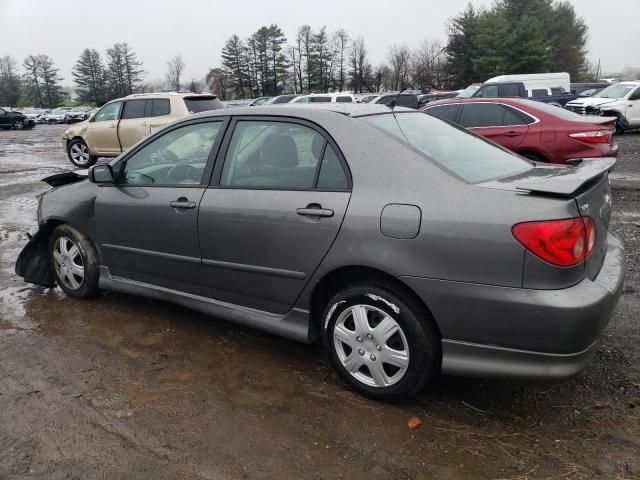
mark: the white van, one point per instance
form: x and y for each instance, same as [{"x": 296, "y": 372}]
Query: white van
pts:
[
  {"x": 534, "y": 85},
  {"x": 341, "y": 97}
]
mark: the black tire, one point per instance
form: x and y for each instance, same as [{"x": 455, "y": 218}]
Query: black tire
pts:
[
  {"x": 416, "y": 326},
  {"x": 17, "y": 124},
  {"x": 79, "y": 161},
  {"x": 88, "y": 285}
]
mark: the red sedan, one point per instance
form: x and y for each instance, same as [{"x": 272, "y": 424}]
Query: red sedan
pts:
[{"x": 533, "y": 129}]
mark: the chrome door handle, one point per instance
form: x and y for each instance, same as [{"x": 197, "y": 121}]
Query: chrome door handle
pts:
[
  {"x": 182, "y": 203},
  {"x": 315, "y": 212}
]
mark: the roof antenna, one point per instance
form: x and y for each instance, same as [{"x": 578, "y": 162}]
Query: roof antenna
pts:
[{"x": 392, "y": 103}]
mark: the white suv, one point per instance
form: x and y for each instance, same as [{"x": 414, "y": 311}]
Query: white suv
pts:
[{"x": 620, "y": 100}]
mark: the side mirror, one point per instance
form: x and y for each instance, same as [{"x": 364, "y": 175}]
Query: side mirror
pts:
[{"x": 101, "y": 174}]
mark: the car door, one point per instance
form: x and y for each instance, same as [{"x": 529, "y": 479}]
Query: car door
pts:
[
  {"x": 134, "y": 124},
  {"x": 272, "y": 212},
  {"x": 102, "y": 132},
  {"x": 160, "y": 114},
  {"x": 633, "y": 109},
  {"x": 147, "y": 221},
  {"x": 4, "y": 119},
  {"x": 495, "y": 122}
]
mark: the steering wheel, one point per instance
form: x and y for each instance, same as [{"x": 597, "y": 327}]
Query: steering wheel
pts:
[
  {"x": 184, "y": 174},
  {"x": 163, "y": 156}
]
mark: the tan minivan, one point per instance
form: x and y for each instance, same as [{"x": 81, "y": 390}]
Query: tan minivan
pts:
[{"x": 123, "y": 122}]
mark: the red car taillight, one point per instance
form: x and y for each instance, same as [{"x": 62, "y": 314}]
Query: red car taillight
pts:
[
  {"x": 564, "y": 243},
  {"x": 598, "y": 136}
]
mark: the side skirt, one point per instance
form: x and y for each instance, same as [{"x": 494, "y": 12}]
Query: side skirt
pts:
[{"x": 293, "y": 324}]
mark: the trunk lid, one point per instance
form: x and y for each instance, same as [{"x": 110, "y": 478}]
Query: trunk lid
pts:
[{"x": 587, "y": 183}]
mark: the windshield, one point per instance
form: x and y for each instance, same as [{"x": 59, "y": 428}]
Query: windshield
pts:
[
  {"x": 463, "y": 154},
  {"x": 467, "y": 92},
  {"x": 615, "y": 91}
]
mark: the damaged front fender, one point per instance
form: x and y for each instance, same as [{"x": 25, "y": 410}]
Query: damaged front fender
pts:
[{"x": 34, "y": 263}]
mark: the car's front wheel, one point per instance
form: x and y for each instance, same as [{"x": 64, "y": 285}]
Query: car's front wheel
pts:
[
  {"x": 78, "y": 153},
  {"x": 380, "y": 344},
  {"x": 75, "y": 262},
  {"x": 17, "y": 124}
]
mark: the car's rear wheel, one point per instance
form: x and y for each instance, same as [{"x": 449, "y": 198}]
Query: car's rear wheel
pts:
[
  {"x": 79, "y": 155},
  {"x": 379, "y": 343},
  {"x": 75, "y": 262}
]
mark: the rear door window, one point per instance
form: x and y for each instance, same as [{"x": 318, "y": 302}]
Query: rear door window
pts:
[
  {"x": 272, "y": 155},
  {"x": 160, "y": 107},
  {"x": 445, "y": 112},
  {"x": 512, "y": 118},
  {"x": 332, "y": 175},
  {"x": 134, "y": 109},
  {"x": 344, "y": 99},
  {"x": 481, "y": 115},
  {"x": 511, "y": 90}
]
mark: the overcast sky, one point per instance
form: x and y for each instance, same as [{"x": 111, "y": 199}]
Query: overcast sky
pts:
[{"x": 197, "y": 29}]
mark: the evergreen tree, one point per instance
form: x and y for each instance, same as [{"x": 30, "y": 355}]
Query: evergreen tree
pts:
[
  {"x": 89, "y": 74},
  {"x": 10, "y": 85},
  {"x": 42, "y": 82},
  {"x": 234, "y": 63},
  {"x": 460, "y": 68},
  {"x": 124, "y": 71}
]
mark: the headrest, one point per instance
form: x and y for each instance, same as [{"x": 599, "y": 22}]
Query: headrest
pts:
[{"x": 280, "y": 151}]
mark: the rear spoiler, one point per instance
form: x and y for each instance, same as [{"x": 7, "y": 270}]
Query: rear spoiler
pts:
[{"x": 566, "y": 181}]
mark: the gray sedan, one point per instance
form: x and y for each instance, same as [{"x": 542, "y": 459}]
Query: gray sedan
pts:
[{"x": 406, "y": 245}]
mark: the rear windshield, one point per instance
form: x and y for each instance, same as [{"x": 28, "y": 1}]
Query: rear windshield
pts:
[
  {"x": 465, "y": 155},
  {"x": 202, "y": 104},
  {"x": 557, "y": 111}
]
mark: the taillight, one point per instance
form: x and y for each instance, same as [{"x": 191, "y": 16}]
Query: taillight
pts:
[
  {"x": 598, "y": 136},
  {"x": 564, "y": 242}
]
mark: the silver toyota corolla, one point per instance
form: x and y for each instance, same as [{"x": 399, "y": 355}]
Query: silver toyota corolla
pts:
[{"x": 406, "y": 245}]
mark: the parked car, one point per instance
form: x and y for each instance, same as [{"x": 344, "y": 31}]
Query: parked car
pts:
[
  {"x": 367, "y": 98},
  {"x": 620, "y": 100},
  {"x": 14, "y": 120},
  {"x": 552, "y": 88},
  {"x": 259, "y": 101},
  {"x": 78, "y": 114},
  {"x": 469, "y": 91},
  {"x": 406, "y": 245},
  {"x": 326, "y": 98},
  {"x": 434, "y": 97},
  {"x": 281, "y": 99},
  {"x": 534, "y": 130},
  {"x": 121, "y": 123},
  {"x": 409, "y": 100},
  {"x": 580, "y": 88},
  {"x": 35, "y": 114},
  {"x": 58, "y": 115}
]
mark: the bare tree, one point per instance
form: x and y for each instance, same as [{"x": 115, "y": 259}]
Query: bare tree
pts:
[
  {"x": 400, "y": 63},
  {"x": 426, "y": 64},
  {"x": 218, "y": 82},
  {"x": 360, "y": 67},
  {"x": 175, "y": 68},
  {"x": 342, "y": 43}
]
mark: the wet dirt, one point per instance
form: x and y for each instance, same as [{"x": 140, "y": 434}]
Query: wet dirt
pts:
[{"x": 123, "y": 387}]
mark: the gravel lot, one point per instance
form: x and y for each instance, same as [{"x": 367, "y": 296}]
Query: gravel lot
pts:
[{"x": 123, "y": 387}]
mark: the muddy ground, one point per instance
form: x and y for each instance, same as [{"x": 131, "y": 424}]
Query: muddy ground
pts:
[{"x": 123, "y": 387}]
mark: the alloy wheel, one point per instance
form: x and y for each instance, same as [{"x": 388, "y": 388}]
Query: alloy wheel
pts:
[
  {"x": 371, "y": 346},
  {"x": 68, "y": 263},
  {"x": 79, "y": 153}
]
